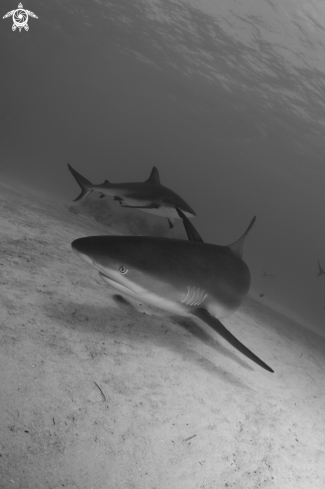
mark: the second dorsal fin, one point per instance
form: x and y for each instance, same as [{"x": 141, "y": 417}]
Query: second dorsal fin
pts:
[
  {"x": 154, "y": 176},
  {"x": 238, "y": 246}
]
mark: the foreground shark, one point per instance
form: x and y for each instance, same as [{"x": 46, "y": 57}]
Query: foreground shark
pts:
[
  {"x": 149, "y": 196},
  {"x": 189, "y": 278}
]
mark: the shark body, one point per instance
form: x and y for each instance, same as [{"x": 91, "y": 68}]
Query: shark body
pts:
[
  {"x": 149, "y": 196},
  {"x": 188, "y": 278}
]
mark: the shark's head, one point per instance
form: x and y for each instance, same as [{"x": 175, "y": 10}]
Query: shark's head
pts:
[
  {"x": 109, "y": 257},
  {"x": 133, "y": 267}
]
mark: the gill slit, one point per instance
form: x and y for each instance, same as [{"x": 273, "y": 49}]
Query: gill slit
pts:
[
  {"x": 189, "y": 301},
  {"x": 188, "y": 290},
  {"x": 194, "y": 297},
  {"x": 199, "y": 299}
]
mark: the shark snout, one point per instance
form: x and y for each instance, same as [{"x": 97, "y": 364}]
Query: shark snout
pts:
[{"x": 79, "y": 246}]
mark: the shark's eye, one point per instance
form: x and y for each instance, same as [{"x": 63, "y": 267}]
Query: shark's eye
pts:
[{"x": 123, "y": 269}]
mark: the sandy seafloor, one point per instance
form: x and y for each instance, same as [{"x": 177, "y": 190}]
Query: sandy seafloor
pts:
[{"x": 99, "y": 392}]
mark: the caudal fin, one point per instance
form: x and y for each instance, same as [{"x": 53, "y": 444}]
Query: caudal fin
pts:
[{"x": 85, "y": 185}]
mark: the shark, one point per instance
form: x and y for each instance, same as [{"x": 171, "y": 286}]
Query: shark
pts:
[
  {"x": 149, "y": 196},
  {"x": 267, "y": 275},
  {"x": 186, "y": 277},
  {"x": 320, "y": 270}
]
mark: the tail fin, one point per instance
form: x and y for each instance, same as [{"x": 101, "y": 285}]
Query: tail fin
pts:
[{"x": 84, "y": 184}]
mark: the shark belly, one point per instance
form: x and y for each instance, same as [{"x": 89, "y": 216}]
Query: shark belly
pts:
[
  {"x": 134, "y": 202},
  {"x": 154, "y": 206},
  {"x": 166, "y": 211},
  {"x": 176, "y": 302},
  {"x": 166, "y": 302},
  {"x": 104, "y": 190}
]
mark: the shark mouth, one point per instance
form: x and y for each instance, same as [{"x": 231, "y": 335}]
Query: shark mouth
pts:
[{"x": 117, "y": 285}]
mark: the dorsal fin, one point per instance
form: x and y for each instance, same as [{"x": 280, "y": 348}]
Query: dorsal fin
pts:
[
  {"x": 191, "y": 232},
  {"x": 106, "y": 181},
  {"x": 154, "y": 176},
  {"x": 238, "y": 246}
]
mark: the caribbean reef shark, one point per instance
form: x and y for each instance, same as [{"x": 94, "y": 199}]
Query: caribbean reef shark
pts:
[
  {"x": 149, "y": 196},
  {"x": 189, "y": 278}
]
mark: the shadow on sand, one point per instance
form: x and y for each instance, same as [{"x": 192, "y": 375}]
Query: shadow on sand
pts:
[{"x": 128, "y": 323}]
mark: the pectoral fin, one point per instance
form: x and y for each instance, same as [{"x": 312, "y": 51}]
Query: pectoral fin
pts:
[
  {"x": 220, "y": 329},
  {"x": 171, "y": 222},
  {"x": 191, "y": 232}
]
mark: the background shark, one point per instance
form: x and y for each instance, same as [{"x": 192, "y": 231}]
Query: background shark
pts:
[
  {"x": 320, "y": 270},
  {"x": 149, "y": 196},
  {"x": 189, "y": 278}
]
